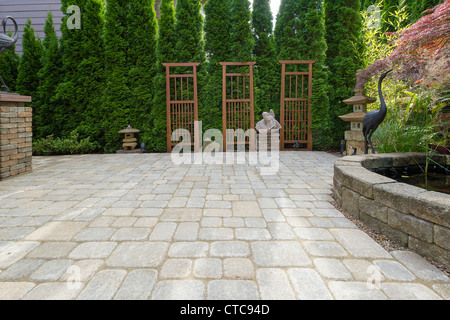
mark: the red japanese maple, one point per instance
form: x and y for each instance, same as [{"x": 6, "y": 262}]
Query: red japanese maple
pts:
[{"x": 418, "y": 49}]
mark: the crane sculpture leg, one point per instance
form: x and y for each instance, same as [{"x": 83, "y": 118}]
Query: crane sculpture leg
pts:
[{"x": 367, "y": 141}]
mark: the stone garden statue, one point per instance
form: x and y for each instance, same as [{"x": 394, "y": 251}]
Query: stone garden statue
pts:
[
  {"x": 7, "y": 42},
  {"x": 268, "y": 124}
]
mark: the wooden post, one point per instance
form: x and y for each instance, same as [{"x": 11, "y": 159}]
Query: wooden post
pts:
[
  {"x": 197, "y": 132},
  {"x": 282, "y": 94},
  {"x": 252, "y": 146},
  {"x": 168, "y": 117},
  {"x": 310, "y": 106},
  {"x": 224, "y": 106}
]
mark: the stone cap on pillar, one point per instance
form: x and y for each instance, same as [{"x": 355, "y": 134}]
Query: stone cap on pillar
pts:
[{"x": 8, "y": 97}]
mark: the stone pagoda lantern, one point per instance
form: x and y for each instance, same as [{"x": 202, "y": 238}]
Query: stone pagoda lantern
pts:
[
  {"x": 354, "y": 137},
  {"x": 129, "y": 142}
]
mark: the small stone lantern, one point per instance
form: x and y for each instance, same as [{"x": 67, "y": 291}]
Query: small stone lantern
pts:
[
  {"x": 129, "y": 142},
  {"x": 354, "y": 137}
]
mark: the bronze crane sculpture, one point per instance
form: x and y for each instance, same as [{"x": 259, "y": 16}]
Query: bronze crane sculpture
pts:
[
  {"x": 7, "y": 42},
  {"x": 374, "y": 118}
]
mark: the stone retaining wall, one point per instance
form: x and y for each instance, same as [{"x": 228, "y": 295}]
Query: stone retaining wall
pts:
[
  {"x": 15, "y": 135},
  {"x": 412, "y": 216}
]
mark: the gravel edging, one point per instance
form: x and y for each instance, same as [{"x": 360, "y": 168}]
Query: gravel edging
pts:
[{"x": 386, "y": 243}]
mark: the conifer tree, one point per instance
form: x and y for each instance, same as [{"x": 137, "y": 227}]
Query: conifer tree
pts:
[
  {"x": 142, "y": 32},
  {"x": 189, "y": 31},
  {"x": 343, "y": 25},
  {"x": 267, "y": 79},
  {"x": 30, "y": 63},
  {"x": 286, "y": 31},
  {"x": 9, "y": 65},
  {"x": 300, "y": 35},
  {"x": 79, "y": 96},
  {"x": 117, "y": 98},
  {"x": 50, "y": 76},
  {"x": 242, "y": 41},
  {"x": 190, "y": 45},
  {"x": 311, "y": 34},
  {"x": 155, "y": 137},
  {"x": 217, "y": 47}
]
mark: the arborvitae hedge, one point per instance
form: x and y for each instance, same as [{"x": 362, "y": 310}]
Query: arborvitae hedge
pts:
[
  {"x": 267, "y": 74},
  {"x": 300, "y": 35},
  {"x": 142, "y": 33},
  {"x": 9, "y": 64},
  {"x": 117, "y": 97},
  {"x": 242, "y": 41},
  {"x": 286, "y": 29},
  {"x": 311, "y": 32},
  {"x": 79, "y": 96},
  {"x": 343, "y": 25},
  {"x": 29, "y": 66},
  {"x": 155, "y": 139},
  {"x": 189, "y": 32},
  {"x": 98, "y": 103},
  {"x": 30, "y": 63},
  {"x": 51, "y": 75},
  {"x": 218, "y": 49}
]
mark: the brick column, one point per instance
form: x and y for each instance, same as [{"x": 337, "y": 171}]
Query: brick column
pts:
[{"x": 15, "y": 135}]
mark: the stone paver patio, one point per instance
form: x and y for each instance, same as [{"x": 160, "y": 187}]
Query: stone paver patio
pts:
[{"x": 140, "y": 227}]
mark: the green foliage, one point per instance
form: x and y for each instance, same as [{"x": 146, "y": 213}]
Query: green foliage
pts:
[
  {"x": 30, "y": 63},
  {"x": 300, "y": 35},
  {"x": 117, "y": 97},
  {"x": 286, "y": 31},
  {"x": 9, "y": 65},
  {"x": 155, "y": 139},
  {"x": 217, "y": 47},
  {"x": 50, "y": 75},
  {"x": 57, "y": 146},
  {"x": 79, "y": 95},
  {"x": 311, "y": 33},
  {"x": 388, "y": 12},
  {"x": 109, "y": 73},
  {"x": 413, "y": 120},
  {"x": 188, "y": 32},
  {"x": 267, "y": 93},
  {"x": 412, "y": 124},
  {"x": 343, "y": 25},
  {"x": 242, "y": 41},
  {"x": 142, "y": 30}
]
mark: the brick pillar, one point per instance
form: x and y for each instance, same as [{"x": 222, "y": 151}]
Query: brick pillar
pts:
[{"x": 15, "y": 135}]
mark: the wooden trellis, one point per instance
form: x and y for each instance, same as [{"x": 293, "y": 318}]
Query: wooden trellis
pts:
[
  {"x": 295, "y": 105},
  {"x": 237, "y": 103},
  {"x": 182, "y": 105}
]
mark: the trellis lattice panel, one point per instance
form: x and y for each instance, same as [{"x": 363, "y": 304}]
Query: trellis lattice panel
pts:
[
  {"x": 238, "y": 106},
  {"x": 295, "y": 104},
  {"x": 182, "y": 105}
]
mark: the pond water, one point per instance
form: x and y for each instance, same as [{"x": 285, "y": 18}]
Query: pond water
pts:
[{"x": 438, "y": 179}]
